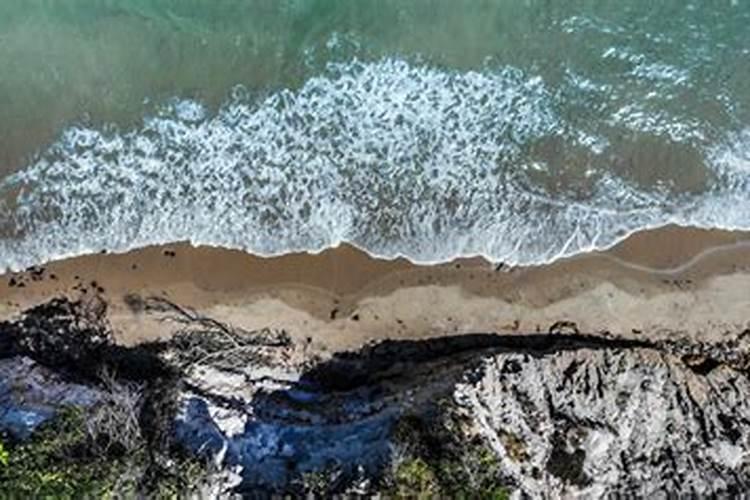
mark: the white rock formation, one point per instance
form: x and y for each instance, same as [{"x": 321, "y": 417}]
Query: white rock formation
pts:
[
  {"x": 592, "y": 423},
  {"x": 30, "y": 394}
]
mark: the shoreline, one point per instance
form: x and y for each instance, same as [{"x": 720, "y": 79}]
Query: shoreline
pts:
[
  {"x": 669, "y": 281},
  {"x": 709, "y": 240}
]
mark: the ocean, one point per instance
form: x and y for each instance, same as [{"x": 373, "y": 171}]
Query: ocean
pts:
[{"x": 522, "y": 131}]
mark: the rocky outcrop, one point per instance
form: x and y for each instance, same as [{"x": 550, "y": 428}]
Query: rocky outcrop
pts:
[
  {"x": 30, "y": 394},
  {"x": 635, "y": 422},
  {"x": 567, "y": 416},
  {"x": 563, "y": 414}
]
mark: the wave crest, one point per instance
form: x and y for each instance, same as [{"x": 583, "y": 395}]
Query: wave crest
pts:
[{"x": 397, "y": 159}]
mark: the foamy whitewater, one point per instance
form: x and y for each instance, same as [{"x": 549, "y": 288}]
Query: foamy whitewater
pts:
[{"x": 399, "y": 159}]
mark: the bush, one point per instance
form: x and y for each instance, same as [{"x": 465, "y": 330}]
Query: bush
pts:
[
  {"x": 4, "y": 456},
  {"x": 413, "y": 478},
  {"x": 437, "y": 456},
  {"x": 56, "y": 462},
  {"x": 112, "y": 425},
  {"x": 68, "y": 458}
]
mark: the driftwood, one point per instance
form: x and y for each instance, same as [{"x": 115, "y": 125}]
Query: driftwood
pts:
[{"x": 202, "y": 340}]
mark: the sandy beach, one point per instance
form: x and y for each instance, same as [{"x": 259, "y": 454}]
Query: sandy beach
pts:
[
  {"x": 667, "y": 282},
  {"x": 374, "y": 249}
]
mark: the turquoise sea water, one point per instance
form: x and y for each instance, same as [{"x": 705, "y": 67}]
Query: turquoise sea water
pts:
[{"x": 523, "y": 131}]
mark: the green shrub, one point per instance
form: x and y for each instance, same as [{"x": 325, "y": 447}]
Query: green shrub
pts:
[
  {"x": 4, "y": 456},
  {"x": 61, "y": 461},
  {"x": 56, "y": 462},
  {"x": 413, "y": 478},
  {"x": 438, "y": 457}
]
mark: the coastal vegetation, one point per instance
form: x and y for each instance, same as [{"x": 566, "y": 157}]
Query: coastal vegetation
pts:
[
  {"x": 439, "y": 456},
  {"x": 98, "y": 453},
  {"x": 469, "y": 416},
  {"x": 125, "y": 444},
  {"x": 120, "y": 445}
]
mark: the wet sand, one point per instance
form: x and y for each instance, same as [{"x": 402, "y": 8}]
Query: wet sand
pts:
[{"x": 671, "y": 282}]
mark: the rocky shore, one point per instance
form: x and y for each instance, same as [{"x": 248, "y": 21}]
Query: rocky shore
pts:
[{"x": 556, "y": 414}]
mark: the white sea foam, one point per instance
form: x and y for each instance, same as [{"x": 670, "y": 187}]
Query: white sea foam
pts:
[
  {"x": 733, "y": 156},
  {"x": 638, "y": 118},
  {"x": 397, "y": 159}
]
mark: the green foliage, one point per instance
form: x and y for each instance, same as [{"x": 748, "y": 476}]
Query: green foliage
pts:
[
  {"x": 316, "y": 484},
  {"x": 4, "y": 455},
  {"x": 56, "y": 462},
  {"x": 61, "y": 461},
  {"x": 414, "y": 478},
  {"x": 184, "y": 475},
  {"x": 439, "y": 458}
]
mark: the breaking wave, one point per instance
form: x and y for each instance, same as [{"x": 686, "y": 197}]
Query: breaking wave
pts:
[{"x": 396, "y": 158}]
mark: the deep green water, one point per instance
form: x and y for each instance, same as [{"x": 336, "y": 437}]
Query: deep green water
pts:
[{"x": 520, "y": 130}]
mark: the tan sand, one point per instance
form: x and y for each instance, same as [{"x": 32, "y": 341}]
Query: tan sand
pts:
[{"x": 662, "y": 283}]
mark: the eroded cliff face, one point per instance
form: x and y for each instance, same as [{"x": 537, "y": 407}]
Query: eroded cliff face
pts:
[
  {"x": 30, "y": 394},
  {"x": 557, "y": 415},
  {"x": 565, "y": 416},
  {"x": 596, "y": 422}
]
